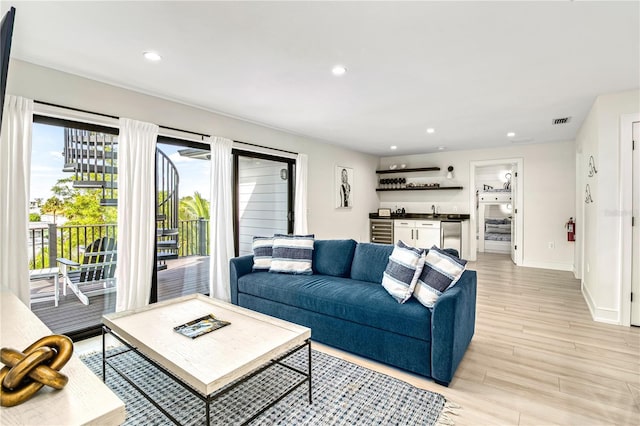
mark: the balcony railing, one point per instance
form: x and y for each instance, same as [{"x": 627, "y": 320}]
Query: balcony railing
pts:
[
  {"x": 48, "y": 242},
  {"x": 193, "y": 237}
]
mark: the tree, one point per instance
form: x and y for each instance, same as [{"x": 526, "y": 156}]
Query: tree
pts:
[
  {"x": 194, "y": 207},
  {"x": 64, "y": 189},
  {"x": 53, "y": 205},
  {"x": 191, "y": 209},
  {"x": 85, "y": 209}
]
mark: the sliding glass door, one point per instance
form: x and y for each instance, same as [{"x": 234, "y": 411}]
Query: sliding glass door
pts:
[
  {"x": 73, "y": 224},
  {"x": 73, "y": 218},
  {"x": 264, "y": 197},
  {"x": 182, "y": 237}
]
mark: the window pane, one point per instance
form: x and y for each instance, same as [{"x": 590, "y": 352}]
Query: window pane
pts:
[
  {"x": 263, "y": 196},
  {"x": 182, "y": 177},
  {"x": 72, "y": 232}
]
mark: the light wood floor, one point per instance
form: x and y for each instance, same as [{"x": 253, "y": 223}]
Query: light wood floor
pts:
[{"x": 536, "y": 357}]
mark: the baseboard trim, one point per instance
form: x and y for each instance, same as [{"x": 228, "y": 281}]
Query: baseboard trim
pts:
[
  {"x": 605, "y": 315},
  {"x": 548, "y": 265}
]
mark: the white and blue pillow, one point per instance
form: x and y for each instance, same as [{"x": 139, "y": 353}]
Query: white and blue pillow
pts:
[
  {"x": 262, "y": 253},
  {"x": 402, "y": 272},
  {"x": 441, "y": 271},
  {"x": 292, "y": 254}
]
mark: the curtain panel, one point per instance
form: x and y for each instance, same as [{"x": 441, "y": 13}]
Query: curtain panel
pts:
[
  {"x": 221, "y": 222},
  {"x": 15, "y": 172},
  {"x": 136, "y": 213},
  {"x": 300, "y": 203}
]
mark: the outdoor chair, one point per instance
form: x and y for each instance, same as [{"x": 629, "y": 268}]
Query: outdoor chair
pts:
[{"x": 95, "y": 275}]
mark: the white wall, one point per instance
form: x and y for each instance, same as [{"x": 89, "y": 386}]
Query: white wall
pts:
[
  {"x": 492, "y": 175},
  {"x": 600, "y": 222},
  {"x": 548, "y": 188},
  {"x": 48, "y": 85}
]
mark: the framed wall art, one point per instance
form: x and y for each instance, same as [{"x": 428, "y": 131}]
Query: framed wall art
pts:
[{"x": 344, "y": 187}]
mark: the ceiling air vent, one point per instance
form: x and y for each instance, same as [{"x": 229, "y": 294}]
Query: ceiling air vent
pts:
[
  {"x": 524, "y": 140},
  {"x": 563, "y": 120}
]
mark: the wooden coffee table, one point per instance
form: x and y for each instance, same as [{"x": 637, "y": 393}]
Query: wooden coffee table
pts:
[{"x": 230, "y": 355}]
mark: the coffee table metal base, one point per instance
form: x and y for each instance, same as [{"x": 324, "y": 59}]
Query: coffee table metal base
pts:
[{"x": 207, "y": 399}]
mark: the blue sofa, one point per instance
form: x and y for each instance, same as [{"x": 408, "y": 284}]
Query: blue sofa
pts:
[{"x": 345, "y": 306}]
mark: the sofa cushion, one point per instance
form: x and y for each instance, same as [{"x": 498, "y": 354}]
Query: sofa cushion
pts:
[
  {"x": 292, "y": 254},
  {"x": 370, "y": 261},
  {"x": 262, "y": 253},
  {"x": 402, "y": 272},
  {"x": 441, "y": 271},
  {"x": 352, "y": 300},
  {"x": 333, "y": 257}
]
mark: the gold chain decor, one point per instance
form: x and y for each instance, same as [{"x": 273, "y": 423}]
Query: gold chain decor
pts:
[{"x": 26, "y": 372}]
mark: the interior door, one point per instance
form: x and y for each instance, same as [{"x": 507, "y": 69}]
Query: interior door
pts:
[
  {"x": 635, "y": 245},
  {"x": 515, "y": 215}
]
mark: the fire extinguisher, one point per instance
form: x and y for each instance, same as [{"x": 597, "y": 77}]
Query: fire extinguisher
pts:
[{"x": 571, "y": 230}]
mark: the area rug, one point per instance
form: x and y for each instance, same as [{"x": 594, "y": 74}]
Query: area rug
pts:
[{"x": 343, "y": 394}]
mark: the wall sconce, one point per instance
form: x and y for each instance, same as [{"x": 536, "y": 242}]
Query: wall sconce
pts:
[{"x": 450, "y": 172}]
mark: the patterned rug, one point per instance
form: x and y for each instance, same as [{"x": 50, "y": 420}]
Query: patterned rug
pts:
[{"x": 343, "y": 394}]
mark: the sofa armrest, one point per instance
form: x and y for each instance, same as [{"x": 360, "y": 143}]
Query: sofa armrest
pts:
[
  {"x": 238, "y": 266},
  {"x": 452, "y": 327}
]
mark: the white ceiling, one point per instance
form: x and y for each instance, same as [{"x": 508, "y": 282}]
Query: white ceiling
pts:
[{"x": 472, "y": 70}]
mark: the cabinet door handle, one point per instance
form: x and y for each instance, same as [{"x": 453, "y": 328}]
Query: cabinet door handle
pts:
[
  {"x": 417, "y": 237},
  {"x": 412, "y": 234}
]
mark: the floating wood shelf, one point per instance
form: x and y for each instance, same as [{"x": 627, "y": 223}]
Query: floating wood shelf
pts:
[
  {"x": 420, "y": 169},
  {"x": 439, "y": 188}
]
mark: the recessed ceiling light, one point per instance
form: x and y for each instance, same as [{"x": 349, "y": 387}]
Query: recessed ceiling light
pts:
[
  {"x": 152, "y": 56},
  {"x": 392, "y": 147},
  {"x": 510, "y": 134},
  {"x": 431, "y": 130},
  {"x": 441, "y": 148},
  {"x": 339, "y": 70}
]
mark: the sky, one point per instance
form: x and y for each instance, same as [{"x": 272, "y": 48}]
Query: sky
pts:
[{"x": 47, "y": 162}]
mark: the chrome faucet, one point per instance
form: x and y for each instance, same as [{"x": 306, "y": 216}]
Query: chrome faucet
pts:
[{"x": 433, "y": 208}]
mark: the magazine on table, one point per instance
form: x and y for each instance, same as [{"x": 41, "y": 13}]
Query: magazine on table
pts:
[{"x": 200, "y": 326}]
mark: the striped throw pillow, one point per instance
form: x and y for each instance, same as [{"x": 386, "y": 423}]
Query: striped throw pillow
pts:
[
  {"x": 441, "y": 271},
  {"x": 292, "y": 254},
  {"x": 262, "y": 253},
  {"x": 403, "y": 270}
]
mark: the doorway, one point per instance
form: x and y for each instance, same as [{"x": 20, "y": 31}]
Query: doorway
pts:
[
  {"x": 635, "y": 244},
  {"x": 496, "y": 215}
]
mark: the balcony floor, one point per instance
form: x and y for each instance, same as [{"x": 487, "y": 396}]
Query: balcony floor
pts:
[{"x": 183, "y": 276}]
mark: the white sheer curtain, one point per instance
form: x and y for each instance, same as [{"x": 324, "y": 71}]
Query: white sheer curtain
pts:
[
  {"x": 136, "y": 212},
  {"x": 221, "y": 221},
  {"x": 15, "y": 171},
  {"x": 300, "y": 208}
]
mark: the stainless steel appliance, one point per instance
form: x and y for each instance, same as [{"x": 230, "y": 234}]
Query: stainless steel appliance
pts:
[{"x": 451, "y": 235}]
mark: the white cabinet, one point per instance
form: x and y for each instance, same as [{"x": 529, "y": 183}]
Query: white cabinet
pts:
[
  {"x": 404, "y": 230},
  {"x": 418, "y": 233}
]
